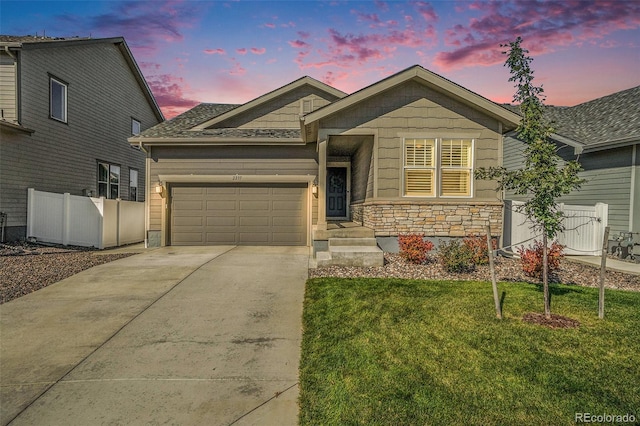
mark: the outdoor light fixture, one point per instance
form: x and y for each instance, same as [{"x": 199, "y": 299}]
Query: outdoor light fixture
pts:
[
  {"x": 314, "y": 189},
  {"x": 159, "y": 188}
]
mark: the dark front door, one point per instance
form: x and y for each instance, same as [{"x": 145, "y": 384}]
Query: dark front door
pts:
[{"x": 336, "y": 192}]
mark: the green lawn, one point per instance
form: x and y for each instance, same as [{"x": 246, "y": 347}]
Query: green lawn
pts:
[{"x": 401, "y": 352}]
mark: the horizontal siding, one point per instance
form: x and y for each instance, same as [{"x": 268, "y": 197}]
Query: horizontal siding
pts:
[
  {"x": 280, "y": 113},
  {"x": 415, "y": 108},
  {"x": 103, "y": 96}
]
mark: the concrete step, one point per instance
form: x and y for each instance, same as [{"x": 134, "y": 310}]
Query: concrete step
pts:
[
  {"x": 335, "y": 242},
  {"x": 354, "y": 255}
]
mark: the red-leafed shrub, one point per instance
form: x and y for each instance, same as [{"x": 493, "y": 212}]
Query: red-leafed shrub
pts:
[
  {"x": 477, "y": 244},
  {"x": 414, "y": 248},
  {"x": 531, "y": 258}
]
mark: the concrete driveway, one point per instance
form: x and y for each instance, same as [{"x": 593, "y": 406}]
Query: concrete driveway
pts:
[{"x": 177, "y": 335}]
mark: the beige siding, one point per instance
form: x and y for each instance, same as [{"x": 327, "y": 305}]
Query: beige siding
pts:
[
  {"x": 281, "y": 113},
  {"x": 8, "y": 87},
  {"x": 419, "y": 110},
  {"x": 269, "y": 160},
  {"x": 103, "y": 96}
]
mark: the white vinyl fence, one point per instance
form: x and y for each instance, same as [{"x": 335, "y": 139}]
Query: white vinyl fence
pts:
[
  {"x": 83, "y": 221},
  {"x": 584, "y": 228}
]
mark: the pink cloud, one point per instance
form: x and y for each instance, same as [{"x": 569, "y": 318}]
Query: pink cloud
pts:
[
  {"x": 237, "y": 68},
  {"x": 241, "y": 51},
  {"x": 217, "y": 51},
  {"x": 544, "y": 26},
  {"x": 426, "y": 11},
  {"x": 270, "y": 25},
  {"x": 168, "y": 92},
  {"x": 258, "y": 50},
  {"x": 299, "y": 44}
]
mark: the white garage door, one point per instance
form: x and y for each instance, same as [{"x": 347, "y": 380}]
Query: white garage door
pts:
[{"x": 255, "y": 214}]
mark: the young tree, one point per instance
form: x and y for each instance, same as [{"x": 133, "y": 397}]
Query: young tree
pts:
[{"x": 543, "y": 179}]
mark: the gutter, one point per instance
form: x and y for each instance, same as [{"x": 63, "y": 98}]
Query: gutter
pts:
[{"x": 217, "y": 141}]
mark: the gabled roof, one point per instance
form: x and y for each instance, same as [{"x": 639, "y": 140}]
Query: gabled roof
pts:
[
  {"x": 10, "y": 42},
  {"x": 304, "y": 81},
  {"x": 428, "y": 78},
  {"x": 180, "y": 129}
]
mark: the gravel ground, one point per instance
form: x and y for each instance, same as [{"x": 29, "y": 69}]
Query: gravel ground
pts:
[
  {"x": 26, "y": 267},
  {"x": 506, "y": 270}
]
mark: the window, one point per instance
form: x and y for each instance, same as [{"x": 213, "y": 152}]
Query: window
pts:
[
  {"x": 444, "y": 162},
  {"x": 419, "y": 167},
  {"x": 133, "y": 185},
  {"x": 455, "y": 163},
  {"x": 58, "y": 100},
  {"x": 108, "y": 180},
  {"x": 135, "y": 127}
]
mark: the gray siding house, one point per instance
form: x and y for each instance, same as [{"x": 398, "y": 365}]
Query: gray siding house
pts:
[
  {"x": 293, "y": 165},
  {"x": 605, "y": 135},
  {"x": 67, "y": 108}
]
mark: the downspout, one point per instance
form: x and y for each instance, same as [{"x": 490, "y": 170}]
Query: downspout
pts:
[
  {"x": 632, "y": 197},
  {"x": 8, "y": 52}
]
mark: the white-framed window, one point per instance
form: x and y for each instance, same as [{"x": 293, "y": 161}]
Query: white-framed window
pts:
[
  {"x": 456, "y": 172},
  {"x": 108, "y": 180},
  {"x": 438, "y": 166},
  {"x": 135, "y": 127},
  {"x": 57, "y": 99},
  {"x": 419, "y": 167},
  {"x": 133, "y": 185}
]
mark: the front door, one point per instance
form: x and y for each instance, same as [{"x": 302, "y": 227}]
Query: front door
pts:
[{"x": 336, "y": 192}]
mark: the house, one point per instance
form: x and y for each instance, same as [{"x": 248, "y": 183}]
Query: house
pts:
[
  {"x": 67, "y": 109},
  {"x": 298, "y": 165},
  {"x": 604, "y": 134}
]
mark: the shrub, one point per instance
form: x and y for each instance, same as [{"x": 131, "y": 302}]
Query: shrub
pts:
[
  {"x": 414, "y": 248},
  {"x": 531, "y": 258},
  {"x": 455, "y": 256},
  {"x": 477, "y": 244}
]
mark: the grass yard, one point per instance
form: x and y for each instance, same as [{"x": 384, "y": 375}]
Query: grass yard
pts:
[{"x": 403, "y": 352}]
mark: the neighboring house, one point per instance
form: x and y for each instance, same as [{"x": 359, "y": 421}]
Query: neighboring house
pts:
[
  {"x": 605, "y": 136},
  {"x": 68, "y": 107},
  {"x": 397, "y": 157}
]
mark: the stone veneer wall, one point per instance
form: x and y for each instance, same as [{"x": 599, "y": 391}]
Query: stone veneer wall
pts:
[{"x": 436, "y": 219}]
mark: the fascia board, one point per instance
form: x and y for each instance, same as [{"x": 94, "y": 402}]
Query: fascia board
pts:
[{"x": 269, "y": 97}]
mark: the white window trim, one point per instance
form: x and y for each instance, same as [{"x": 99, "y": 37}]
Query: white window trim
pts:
[
  {"x": 403, "y": 188},
  {"x": 471, "y": 169},
  {"x": 64, "y": 119},
  {"x": 438, "y": 168},
  {"x": 137, "y": 182},
  {"x": 133, "y": 123},
  {"x": 108, "y": 182}
]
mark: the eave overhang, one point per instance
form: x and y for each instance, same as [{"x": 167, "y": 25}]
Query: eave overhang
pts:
[
  {"x": 213, "y": 141},
  {"x": 15, "y": 127}
]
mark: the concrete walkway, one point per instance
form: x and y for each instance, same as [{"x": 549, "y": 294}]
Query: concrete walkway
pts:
[
  {"x": 612, "y": 264},
  {"x": 177, "y": 335}
]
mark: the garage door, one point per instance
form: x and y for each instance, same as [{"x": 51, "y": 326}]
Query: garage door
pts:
[{"x": 239, "y": 214}]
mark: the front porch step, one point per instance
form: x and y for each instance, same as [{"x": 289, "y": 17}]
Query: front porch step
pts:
[{"x": 362, "y": 252}]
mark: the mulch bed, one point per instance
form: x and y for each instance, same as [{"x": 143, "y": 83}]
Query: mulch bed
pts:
[{"x": 555, "y": 321}]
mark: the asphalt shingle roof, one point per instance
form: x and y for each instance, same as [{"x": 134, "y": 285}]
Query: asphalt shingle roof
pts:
[
  {"x": 606, "y": 119},
  {"x": 179, "y": 126}
]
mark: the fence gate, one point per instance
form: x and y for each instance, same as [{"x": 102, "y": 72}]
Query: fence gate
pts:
[{"x": 584, "y": 228}]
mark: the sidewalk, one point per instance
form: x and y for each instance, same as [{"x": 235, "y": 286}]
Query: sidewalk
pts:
[{"x": 612, "y": 264}]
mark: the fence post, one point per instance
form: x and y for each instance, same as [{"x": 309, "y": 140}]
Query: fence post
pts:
[
  {"x": 603, "y": 269},
  {"x": 100, "y": 205},
  {"x": 494, "y": 285},
  {"x": 66, "y": 218},
  {"x": 31, "y": 208},
  {"x": 602, "y": 213}
]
